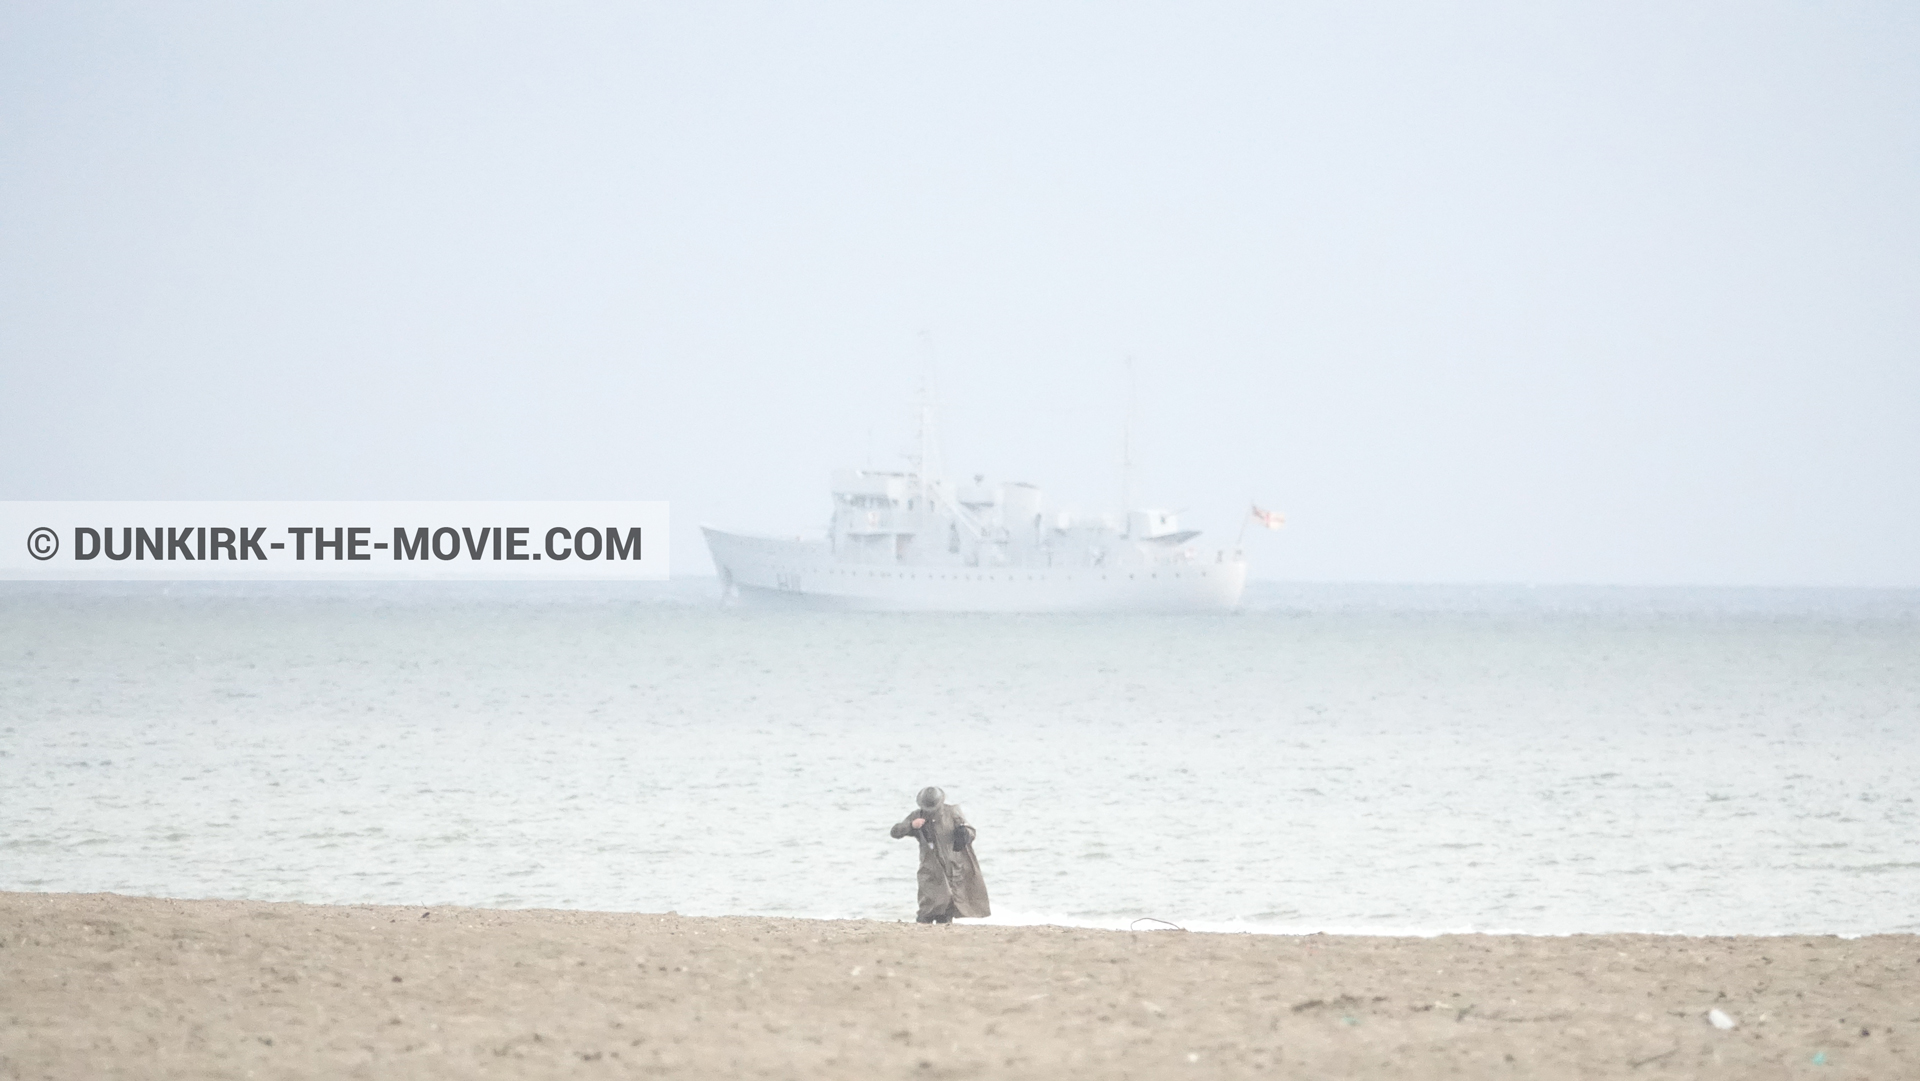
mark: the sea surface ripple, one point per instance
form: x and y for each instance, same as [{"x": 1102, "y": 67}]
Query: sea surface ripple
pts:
[{"x": 1380, "y": 759}]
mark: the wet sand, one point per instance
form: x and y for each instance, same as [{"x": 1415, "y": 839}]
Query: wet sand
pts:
[{"x": 98, "y": 986}]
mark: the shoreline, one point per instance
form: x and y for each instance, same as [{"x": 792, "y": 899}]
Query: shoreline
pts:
[
  {"x": 1004, "y": 919},
  {"x": 101, "y": 985}
]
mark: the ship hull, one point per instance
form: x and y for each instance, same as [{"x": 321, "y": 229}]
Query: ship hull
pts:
[{"x": 793, "y": 573}]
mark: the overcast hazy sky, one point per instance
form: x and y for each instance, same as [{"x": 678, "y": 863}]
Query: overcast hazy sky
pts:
[{"x": 1619, "y": 293}]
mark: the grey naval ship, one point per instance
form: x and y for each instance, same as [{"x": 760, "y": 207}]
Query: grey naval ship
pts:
[{"x": 913, "y": 541}]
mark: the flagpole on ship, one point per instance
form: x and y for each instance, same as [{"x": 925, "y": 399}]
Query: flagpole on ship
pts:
[{"x": 1269, "y": 518}]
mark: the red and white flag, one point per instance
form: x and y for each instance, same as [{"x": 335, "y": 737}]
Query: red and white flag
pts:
[{"x": 1272, "y": 519}]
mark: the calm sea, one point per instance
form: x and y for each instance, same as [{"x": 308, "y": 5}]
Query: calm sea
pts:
[{"x": 1373, "y": 759}]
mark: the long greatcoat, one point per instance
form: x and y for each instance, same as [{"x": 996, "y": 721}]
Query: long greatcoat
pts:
[{"x": 950, "y": 882}]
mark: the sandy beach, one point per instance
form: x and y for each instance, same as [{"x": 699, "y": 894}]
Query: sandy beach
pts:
[{"x": 108, "y": 986}]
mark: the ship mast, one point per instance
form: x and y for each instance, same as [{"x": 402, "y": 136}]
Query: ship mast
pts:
[
  {"x": 921, "y": 464},
  {"x": 926, "y": 469},
  {"x": 1126, "y": 450}
]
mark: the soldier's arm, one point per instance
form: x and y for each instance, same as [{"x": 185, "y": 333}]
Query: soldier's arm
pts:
[{"x": 964, "y": 831}]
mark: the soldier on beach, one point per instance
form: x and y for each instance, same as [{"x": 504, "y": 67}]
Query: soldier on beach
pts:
[{"x": 950, "y": 882}]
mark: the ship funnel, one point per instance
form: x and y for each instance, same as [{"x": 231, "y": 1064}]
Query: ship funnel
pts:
[
  {"x": 1148, "y": 524},
  {"x": 1019, "y": 504}
]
